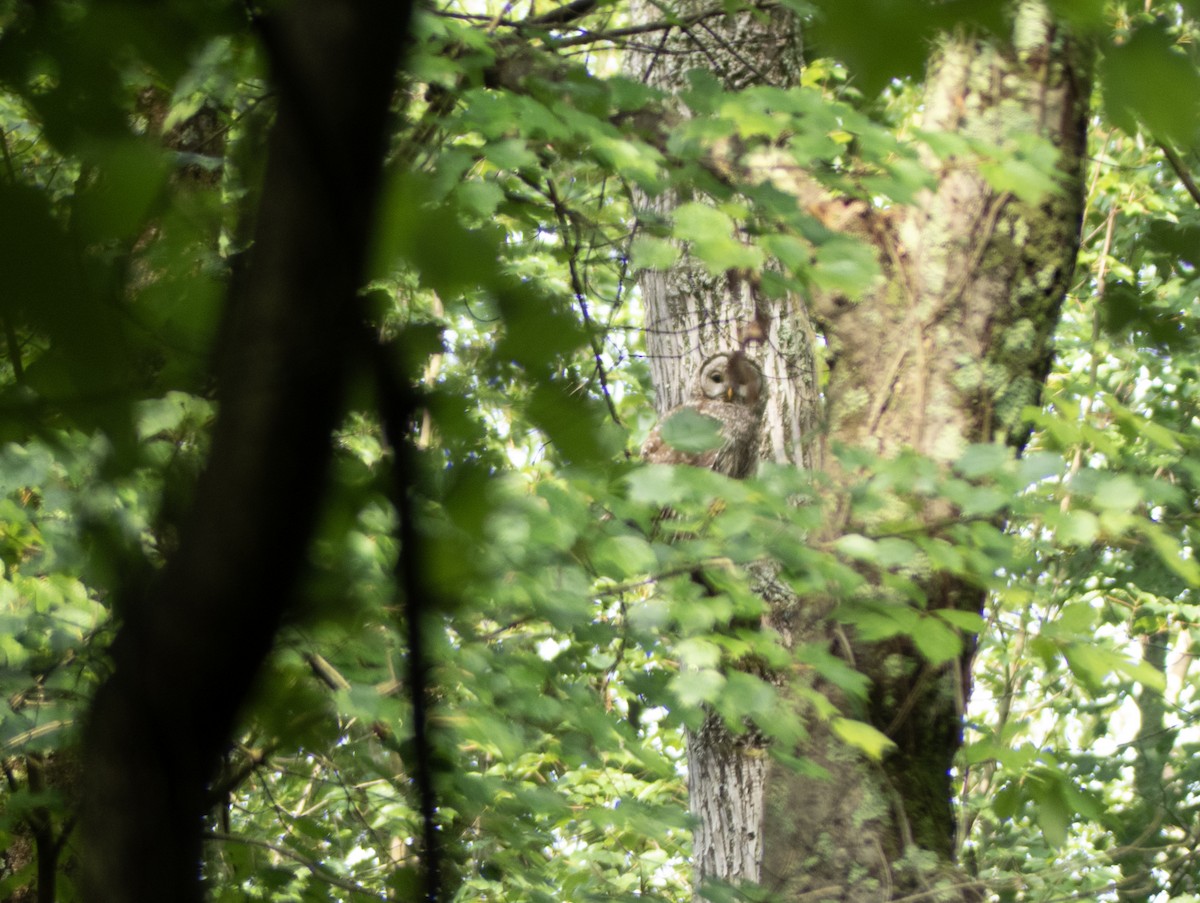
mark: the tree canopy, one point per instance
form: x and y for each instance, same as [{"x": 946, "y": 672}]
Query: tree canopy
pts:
[{"x": 329, "y": 560}]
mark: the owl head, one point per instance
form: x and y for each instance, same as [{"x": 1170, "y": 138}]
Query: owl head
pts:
[{"x": 731, "y": 377}]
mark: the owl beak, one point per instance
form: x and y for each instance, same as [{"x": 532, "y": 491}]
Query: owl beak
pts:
[{"x": 729, "y": 393}]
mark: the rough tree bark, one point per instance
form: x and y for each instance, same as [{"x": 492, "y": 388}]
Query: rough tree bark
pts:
[
  {"x": 191, "y": 643},
  {"x": 946, "y": 352},
  {"x": 690, "y": 315}
]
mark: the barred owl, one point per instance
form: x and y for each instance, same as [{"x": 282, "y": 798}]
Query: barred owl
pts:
[{"x": 730, "y": 390}]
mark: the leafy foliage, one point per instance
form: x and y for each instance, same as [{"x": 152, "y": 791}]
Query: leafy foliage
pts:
[{"x": 571, "y": 636}]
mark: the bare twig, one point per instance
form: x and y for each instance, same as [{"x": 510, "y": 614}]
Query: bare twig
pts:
[{"x": 578, "y": 289}]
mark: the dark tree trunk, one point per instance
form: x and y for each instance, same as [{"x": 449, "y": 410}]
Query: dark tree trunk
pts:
[{"x": 191, "y": 644}]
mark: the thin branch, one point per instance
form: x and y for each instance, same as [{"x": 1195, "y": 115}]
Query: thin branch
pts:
[
  {"x": 326, "y": 673},
  {"x": 684, "y": 22},
  {"x": 7, "y": 154},
  {"x": 577, "y": 288},
  {"x": 230, "y": 781},
  {"x": 561, "y": 15},
  {"x": 578, "y": 9},
  {"x": 682, "y": 570},
  {"x": 398, "y": 404},
  {"x": 1181, "y": 171},
  {"x": 14, "y": 351},
  {"x": 317, "y": 868}
]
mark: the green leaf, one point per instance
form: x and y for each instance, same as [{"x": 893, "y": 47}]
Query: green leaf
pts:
[
  {"x": 1091, "y": 665},
  {"x": 1051, "y": 810},
  {"x": 572, "y": 424},
  {"x": 1075, "y": 619},
  {"x": 747, "y": 696},
  {"x": 1094, "y": 665},
  {"x": 622, "y": 557},
  {"x": 511, "y": 153},
  {"x": 1118, "y": 493},
  {"x": 1142, "y": 426},
  {"x": 449, "y": 257},
  {"x": 893, "y": 552},
  {"x": 655, "y": 485},
  {"x": 983, "y": 500},
  {"x": 1027, "y": 180},
  {"x": 713, "y": 238},
  {"x": 1005, "y": 801},
  {"x": 969, "y": 621},
  {"x": 1170, "y": 552},
  {"x": 983, "y": 459},
  {"x": 845, "y": 266},
  {"x": 698, "y": 653},
  {"x": 649, "y": 252},
  {"x": 1147, "y": 81},
  {"x": 640, "y": 163},
  {"x": 479, "y": 198},
  {"x": 863, "y": 737},
  {"x": 875, "y": 621},
  {"x": 858, "y": 547},
  {"x": 1145, "y": 674},
  {"x": 1082, "y": 15},
  {"x": 130, "y": 175},
  {"x": 880, "y": 40},
  {"x": 697, "y": 686},
  {"x": 790, "y": 250},
  {"x": 936, "y": 641},
  {"x": 691, "y": 432},
  {"x": 1077, "y": 528},
  {"x": 1038, "y": 466},
  {"x": 833, "y": 669},
  {"x": 168, "y": 414}
]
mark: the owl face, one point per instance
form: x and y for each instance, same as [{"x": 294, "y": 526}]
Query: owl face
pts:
[{"x": 730, "y": 378}]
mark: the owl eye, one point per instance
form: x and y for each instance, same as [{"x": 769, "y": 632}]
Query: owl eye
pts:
[{"x": 717, "y": 376}]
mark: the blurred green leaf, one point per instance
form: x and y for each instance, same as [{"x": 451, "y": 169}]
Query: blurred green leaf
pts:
[
  {"x": 622, "y": 557},
  {"x": 691, "y": 432},
  {"x": 845, "y": 266},
  {"x": 652, "y": 253},
  {"x": 1148, "y": 82},
  {"x": 863, "y": 737},
  {"x": 1051, "y": 809},
  {"x": 713, "y": 238},
  {"x": 937, "y": 642}
]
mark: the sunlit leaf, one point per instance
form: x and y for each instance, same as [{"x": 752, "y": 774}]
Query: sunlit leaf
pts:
[
  {"x": 651, "y": 252},
  {"x": 937, "y": 642},
  {"x": 845, "y": 266},
  {"x": 713, "y": 238},
  {"x": 863, "y": 737}
]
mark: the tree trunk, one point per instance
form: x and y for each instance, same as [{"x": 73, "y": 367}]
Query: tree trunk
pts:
[
  {"x": 946, "y": 352},
  {"x": 190, "y": 646},
  {"x": 1153, "y": 803},
  {"x": 690, "y": 315}
]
